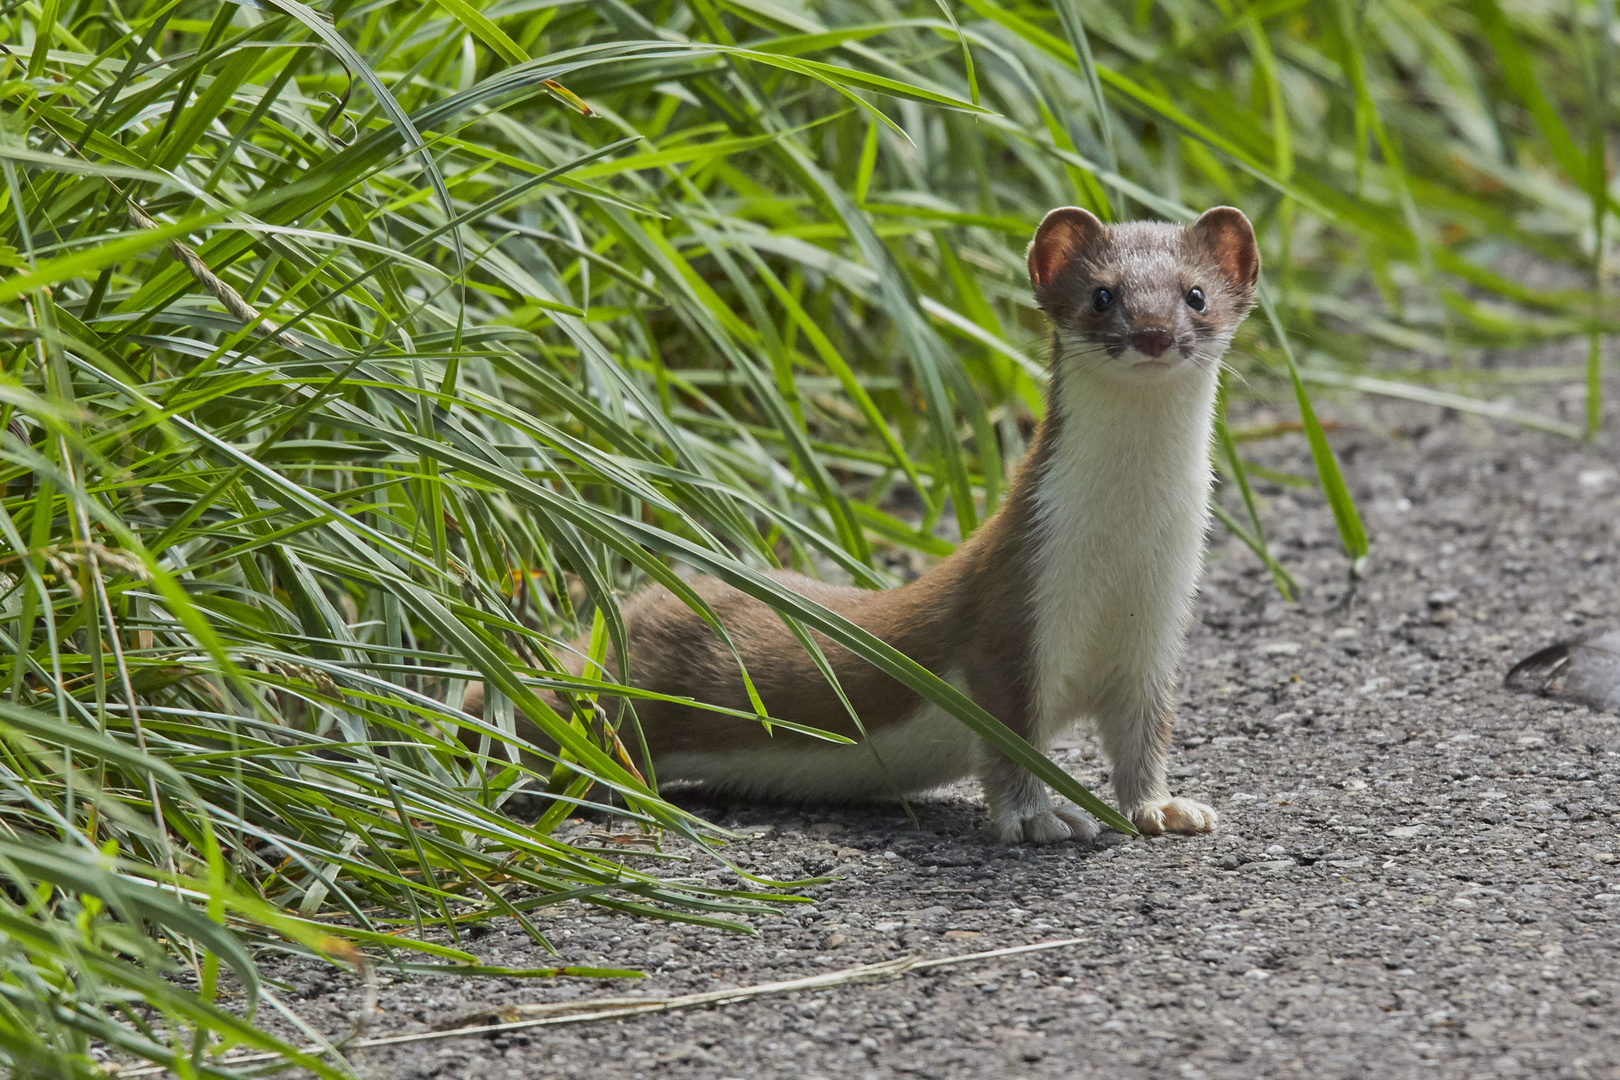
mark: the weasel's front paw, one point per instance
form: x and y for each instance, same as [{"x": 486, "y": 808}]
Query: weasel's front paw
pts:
[
  {"x": 1052, "y": 826},
  {"x": 1175, "y": 815}
]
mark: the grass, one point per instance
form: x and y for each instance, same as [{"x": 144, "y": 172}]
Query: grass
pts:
[{"x": 352, "y": 353}]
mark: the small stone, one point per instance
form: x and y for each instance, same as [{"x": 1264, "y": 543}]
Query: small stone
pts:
[
  {"x": 1594, "y": 479},
  {"x": 1270, "y": 866},
  {"x": 1279, "y": 648}
]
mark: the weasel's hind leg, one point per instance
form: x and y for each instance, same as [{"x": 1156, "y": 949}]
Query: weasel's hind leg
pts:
[{"x": 1021, "y": 807}]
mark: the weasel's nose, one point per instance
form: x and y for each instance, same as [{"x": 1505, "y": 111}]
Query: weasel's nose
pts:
[{"x": 1152, "y": 341}]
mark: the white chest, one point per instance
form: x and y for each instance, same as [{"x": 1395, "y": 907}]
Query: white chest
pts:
[{"x": 1124, "y": 511}]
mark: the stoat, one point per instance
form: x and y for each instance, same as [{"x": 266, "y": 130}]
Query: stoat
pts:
[{"x": 1071, "y": 602}]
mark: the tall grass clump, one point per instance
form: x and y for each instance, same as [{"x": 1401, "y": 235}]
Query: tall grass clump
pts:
[{"x": 358, "y": 351}]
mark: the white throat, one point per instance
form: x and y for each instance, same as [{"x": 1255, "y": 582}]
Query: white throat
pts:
[{"x": 1123, "y": 512}]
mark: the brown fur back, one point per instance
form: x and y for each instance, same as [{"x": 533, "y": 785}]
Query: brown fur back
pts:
[{"x": 969, "y": 614}]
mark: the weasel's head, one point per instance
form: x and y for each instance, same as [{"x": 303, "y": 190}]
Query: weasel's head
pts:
[{"x": 1146, "y": 299}]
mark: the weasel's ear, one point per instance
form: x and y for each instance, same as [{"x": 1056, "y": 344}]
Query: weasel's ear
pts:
[
  {"x": 1230, "y": 238},
  {"x": 1065, "y": 233}
]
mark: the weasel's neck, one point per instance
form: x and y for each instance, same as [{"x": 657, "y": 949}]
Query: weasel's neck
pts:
[
  {"x": 1141, "y": 441},
  {"x": 1110, "y": 457},
  {"x": 1108, "y": 513}
]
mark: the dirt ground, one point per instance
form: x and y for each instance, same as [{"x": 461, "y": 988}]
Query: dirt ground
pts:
[{"x": 1416, "y": 872}]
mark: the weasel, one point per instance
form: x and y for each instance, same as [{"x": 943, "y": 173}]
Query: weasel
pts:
[{"x": 1070, "y": 602}]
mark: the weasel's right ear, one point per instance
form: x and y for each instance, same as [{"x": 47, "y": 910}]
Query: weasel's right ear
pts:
[{"x": 1064, "y": 235}]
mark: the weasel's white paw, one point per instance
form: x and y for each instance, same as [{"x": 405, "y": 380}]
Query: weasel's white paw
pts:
[
  {"x": 1175, "y": 815},
  {"x": 1052, "y": 826}
]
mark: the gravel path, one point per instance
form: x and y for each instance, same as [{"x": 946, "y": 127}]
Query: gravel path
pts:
[{"x": 1416, "y": 875}]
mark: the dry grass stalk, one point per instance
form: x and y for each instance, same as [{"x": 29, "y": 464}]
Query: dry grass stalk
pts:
[{"x": 556, "y": 1014}]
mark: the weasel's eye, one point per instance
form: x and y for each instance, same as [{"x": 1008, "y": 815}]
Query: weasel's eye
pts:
[
  {"x": 1195, "y": 299},
  {"x": 1101, "y": 300}
]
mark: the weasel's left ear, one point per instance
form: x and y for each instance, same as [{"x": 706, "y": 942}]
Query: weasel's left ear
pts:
[
  {"x": 1230, "y": 238},
  {"x": 1065, "y": 234}
]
